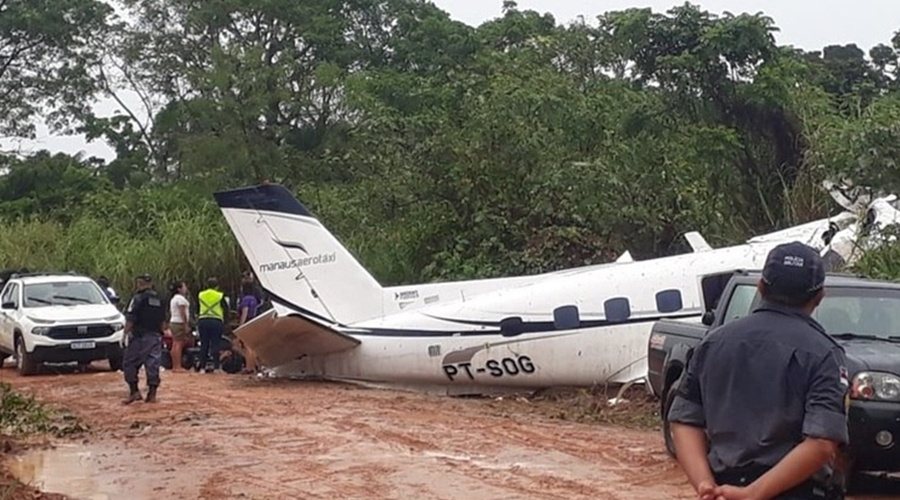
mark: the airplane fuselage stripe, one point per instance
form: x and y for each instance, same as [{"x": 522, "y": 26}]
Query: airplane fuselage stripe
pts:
[{"x": 536, "y": 327}]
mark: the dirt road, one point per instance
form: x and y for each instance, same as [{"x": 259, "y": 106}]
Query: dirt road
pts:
[{"x": 225, "y": 436}]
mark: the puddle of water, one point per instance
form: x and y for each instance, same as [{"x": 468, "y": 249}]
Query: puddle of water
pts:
[{"x": 67, "y": 469}]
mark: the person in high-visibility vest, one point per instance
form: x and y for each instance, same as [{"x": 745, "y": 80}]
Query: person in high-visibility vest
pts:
[{"x": 211, "y": 324}]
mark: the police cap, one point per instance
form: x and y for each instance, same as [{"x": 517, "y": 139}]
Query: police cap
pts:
[
  {"x": 794, "y": 269},
  {"x": 146, "y": 278}
]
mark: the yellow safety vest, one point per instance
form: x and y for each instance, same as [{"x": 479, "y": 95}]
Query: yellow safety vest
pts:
[{"x": 211, "y": 304}]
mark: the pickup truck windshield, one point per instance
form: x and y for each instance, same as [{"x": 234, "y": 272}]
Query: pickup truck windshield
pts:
[
  {"x": 62, "y": 293},
  {"x": 866, "y": 311}
]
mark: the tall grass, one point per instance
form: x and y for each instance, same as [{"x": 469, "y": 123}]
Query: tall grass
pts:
[{"x": 182, "y": 244}]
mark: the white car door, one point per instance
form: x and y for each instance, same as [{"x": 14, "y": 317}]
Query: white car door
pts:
[{"x": 9, "y": 302}]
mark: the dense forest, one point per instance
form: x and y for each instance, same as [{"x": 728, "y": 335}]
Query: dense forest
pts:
[{"x": 433, "y": 149}]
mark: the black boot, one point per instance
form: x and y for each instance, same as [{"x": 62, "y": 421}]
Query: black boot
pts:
[
  {"x": 134, "y": 394},
  {"x": 151, "y": 394}
]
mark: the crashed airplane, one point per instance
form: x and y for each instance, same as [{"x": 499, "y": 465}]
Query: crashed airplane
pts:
[{"x": 579, "y": 327}]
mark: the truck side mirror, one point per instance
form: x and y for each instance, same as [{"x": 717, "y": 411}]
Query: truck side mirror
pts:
[
  {"x": 8, "y": 305},
  {"x": 708, "y": 318}
]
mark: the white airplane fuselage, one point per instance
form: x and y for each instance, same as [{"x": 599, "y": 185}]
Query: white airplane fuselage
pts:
[{"x": 460, "y": 342}]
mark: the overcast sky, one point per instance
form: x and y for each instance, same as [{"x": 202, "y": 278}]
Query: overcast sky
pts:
[{"x": 805, "y": 24}]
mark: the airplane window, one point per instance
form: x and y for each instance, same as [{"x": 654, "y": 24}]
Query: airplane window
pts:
[
  {"x": 617, "y": 310},
  {"x": 669, "y": 301},
  {"x": 511, "y": 326},
  {"x": 566, "y": 318}
]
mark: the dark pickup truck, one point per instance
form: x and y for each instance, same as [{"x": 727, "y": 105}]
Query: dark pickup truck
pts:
[{"x": 862, "y": 315}]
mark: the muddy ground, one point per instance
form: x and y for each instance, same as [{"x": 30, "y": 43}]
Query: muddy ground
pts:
[{"x": 238, "y": 437}]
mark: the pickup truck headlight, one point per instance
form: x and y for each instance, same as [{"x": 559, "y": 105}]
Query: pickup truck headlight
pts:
[
  {"x": 875, "y": 386},
  {"x": 40, "y": 330},
  {"x": 117, "y": 326}
]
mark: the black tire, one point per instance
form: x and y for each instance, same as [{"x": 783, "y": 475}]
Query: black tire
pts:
[
  {"x": 667, "y": 429},
  {"x": 25, "y": 362},
  {"x": 115, "y": 362},
  {"x": 187, "y": 360},
  {"x": 234, "y": 363},
  {"x": 166, "y": 360}
]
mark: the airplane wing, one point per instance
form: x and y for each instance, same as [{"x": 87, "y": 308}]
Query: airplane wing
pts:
[{"x": 278, "y": 340}]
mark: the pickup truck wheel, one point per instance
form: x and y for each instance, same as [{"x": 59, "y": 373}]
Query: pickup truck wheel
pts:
[
  {"x": 115, "y": 362},
  {"x": 667, "y": 429},
  {"x": 24, "y": 361}
]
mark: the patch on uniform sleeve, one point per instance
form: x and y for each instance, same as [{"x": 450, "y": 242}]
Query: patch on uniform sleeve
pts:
[{"x": 845, "y": 377}]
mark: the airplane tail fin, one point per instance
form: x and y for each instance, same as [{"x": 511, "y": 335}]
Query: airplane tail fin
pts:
[{"x": 296, "y": 259}]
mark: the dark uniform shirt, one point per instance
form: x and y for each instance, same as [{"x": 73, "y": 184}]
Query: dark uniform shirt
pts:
[
  {"x": 760, "y": 384},
  {"x": 146, "y": 312}
]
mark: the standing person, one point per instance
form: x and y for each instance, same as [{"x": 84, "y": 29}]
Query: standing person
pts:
[
  {"x": 249, "y": 278},
  {"x": 145, "y": 321},
  {"x": 248, "y": 308},
  {"x": 761, "y": 411},
  {"x": 211, "y": 324},
  {"x": 103, "y": 281},
  {"x": 179, "y": 322}
]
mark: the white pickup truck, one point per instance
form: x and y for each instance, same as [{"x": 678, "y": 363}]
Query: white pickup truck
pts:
[{"x": 58, "y": 318}]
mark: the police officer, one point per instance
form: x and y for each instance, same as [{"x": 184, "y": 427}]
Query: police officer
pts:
[
  {"x": 211, "y": 324},
  {"x": 145, "y": 322},
  {"x": 760, "y": 411}
]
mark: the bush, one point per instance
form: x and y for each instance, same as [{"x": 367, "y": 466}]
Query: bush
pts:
[{"x": 882, "y": 262}]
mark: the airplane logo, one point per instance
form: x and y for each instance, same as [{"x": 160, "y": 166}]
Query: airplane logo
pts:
[{"x": 288, "y": 244}]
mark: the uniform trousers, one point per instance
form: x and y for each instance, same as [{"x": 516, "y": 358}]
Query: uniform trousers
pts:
[
  {"x": 142, "y": 349},
  {"x": 211, "y": 331}
]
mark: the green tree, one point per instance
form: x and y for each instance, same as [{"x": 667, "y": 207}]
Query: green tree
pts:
[
  {"x": 47, "y": 185},
  {"x": 48, "y": 59}
]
